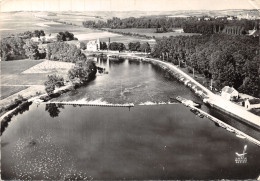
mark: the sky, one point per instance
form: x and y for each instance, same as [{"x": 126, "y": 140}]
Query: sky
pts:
[{"x": 125, "y": 5}]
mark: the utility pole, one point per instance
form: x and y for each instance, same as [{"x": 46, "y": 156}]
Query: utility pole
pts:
[{"x": 193, "y": 72}]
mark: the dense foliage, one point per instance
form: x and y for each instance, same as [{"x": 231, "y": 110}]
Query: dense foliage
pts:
[
  {"x": 134, "y": 46},
  {"x": 11, "y": 48},
  {"x": 52, "y": 82},
  {"x": 137, "y": 46},
  {"x": 82, "y": 72},
  {"x": 117, "y": 46},
  {"x": 61, "y": 51},
  {"x": 229, "y": 60},
  {"x": 143, "y": 22},
  {"x": 31, "y": 50},
  {"x": 29, "y": 34},
  {"x": 18, "y": 46},
  {"x": 218, "y": 25},
  {"x": 65, "y": 36},
  {"x": 103, "y": 46},
  {"x": 163, "y": 24}
]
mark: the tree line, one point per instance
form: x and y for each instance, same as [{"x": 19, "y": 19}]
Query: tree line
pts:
[
  {"x": 228, "y": 60},
  {"x": 189, "y": 25},
  {"x": 21, "y": 46}
]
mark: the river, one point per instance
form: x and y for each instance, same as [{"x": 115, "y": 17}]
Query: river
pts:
[{"x": 160, "y": 141}]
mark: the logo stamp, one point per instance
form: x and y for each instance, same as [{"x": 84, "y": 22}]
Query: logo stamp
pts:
[{"x": 240, "y": 157}]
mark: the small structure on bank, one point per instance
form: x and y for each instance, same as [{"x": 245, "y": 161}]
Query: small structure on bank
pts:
[
  {"x": 93, "y": 45},
  {"x": 229, "y": 93},
  {"x": 252, "y": 103}
]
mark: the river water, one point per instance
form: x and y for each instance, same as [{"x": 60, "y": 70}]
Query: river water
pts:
[{"x": 160, "y": 141}]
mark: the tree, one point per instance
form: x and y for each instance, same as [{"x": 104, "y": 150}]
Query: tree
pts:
[
  {"x": 83, "y": 72},
  {"x": 82, "y": 46},
  {"x": 103, "y": 46},
  {"x": 134, "y": 46},
  {"x": 116, "y": 46},
  {"x": 65, "y": 36},
  {"x": 61, "y": 51},
  {"x": 31, "y": 50},
  {"x": 52, "y": 82},
  {"x": 11, "y": 48},
  {"x": 145, "y": 47},
  {"x": 38, "y": 33}
]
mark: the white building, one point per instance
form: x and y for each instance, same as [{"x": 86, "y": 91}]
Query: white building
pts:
[
  {"x": 93, "y": 45},
  {"x": 252, "y": 103},
  {"x": 46, "y": 38},
  {"x": 229, "y": 93},
  {"x": 179, "y": 30}
]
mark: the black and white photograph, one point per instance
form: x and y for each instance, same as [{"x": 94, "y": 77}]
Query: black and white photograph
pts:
[{"x": 130, "y": 89}]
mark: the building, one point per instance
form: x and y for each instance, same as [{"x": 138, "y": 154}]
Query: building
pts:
[
  {"x": 93, "y": 45},
  {"x": 252, "y": 103},
  {"x": 46, "y": 38},
  {"x": 229, "y": 93}
]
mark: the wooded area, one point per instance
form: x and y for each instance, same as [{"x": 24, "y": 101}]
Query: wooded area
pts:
[{"x": 229, "y": 60}]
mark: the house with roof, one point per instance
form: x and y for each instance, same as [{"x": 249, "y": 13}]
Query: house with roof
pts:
[
  {"x": 229, "y": 93},
  {"x": 93, "y": 45},
  {"x": 252, "y": 103}
]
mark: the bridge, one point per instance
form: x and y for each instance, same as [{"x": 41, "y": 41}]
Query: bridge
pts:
[{"x": 89, "y": 104}]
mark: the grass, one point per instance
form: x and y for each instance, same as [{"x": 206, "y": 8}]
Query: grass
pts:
[
  {"x": 14, "y": 79},
  {"x": 7, "y": 91},
  {"x": 17, "y": 66}
]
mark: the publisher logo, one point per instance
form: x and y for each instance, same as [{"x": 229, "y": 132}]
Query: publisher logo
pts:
[{"x": 240, "y": 157}]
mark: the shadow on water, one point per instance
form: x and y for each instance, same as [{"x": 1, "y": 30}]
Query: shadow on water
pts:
[
  {"x": 19, "y": 110},
  {"x": 53, "y": 109},
  {"x": 242, "y": 126}
]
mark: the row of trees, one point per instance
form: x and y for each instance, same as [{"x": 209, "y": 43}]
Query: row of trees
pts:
[
  {"x": 217, "y": 26},
  {"x": 163, "y": 24},
  {"x": 143, "y": 22},
  {"x": 30, "y": 34},
  {"x": 229, "y": 60}
]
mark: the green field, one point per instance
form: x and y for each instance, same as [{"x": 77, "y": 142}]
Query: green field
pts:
[
  {"x": 10, "y": 90},
  {"x": 17, "y": 66},
  {"x": 151, "y": 32}
]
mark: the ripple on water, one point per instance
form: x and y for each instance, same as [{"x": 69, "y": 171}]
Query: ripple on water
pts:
[{"x": 40, "y": 158}]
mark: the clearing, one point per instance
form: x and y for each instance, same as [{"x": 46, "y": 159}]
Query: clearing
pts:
[{"x": 26, "y": 77}]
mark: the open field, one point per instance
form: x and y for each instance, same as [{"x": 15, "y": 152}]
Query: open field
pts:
[
  {"x": 10, "y": 90},
  {"x": 18, "y": 75},
  {"x": 17, "y": 66},
  {"x": 151, "y": 32}
]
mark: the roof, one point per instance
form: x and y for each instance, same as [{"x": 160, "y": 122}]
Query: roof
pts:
[
  {"x": 228, "y": 89},
  {"x": 254, "y": 101},
  {"x": 93, "y": 42}
]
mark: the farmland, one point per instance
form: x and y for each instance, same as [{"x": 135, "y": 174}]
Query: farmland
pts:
[{"x": 26, "y": 77}]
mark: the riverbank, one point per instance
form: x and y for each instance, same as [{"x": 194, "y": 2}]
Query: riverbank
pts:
[{"x": 215, "y": 101}]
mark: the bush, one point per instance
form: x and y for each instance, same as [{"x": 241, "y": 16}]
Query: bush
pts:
[{"x": 52, "y": 82}]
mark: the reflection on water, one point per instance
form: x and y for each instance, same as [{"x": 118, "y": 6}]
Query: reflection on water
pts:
[
  {"x": 57, "y": 142},
  {"x": 147, "y": 142}
]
